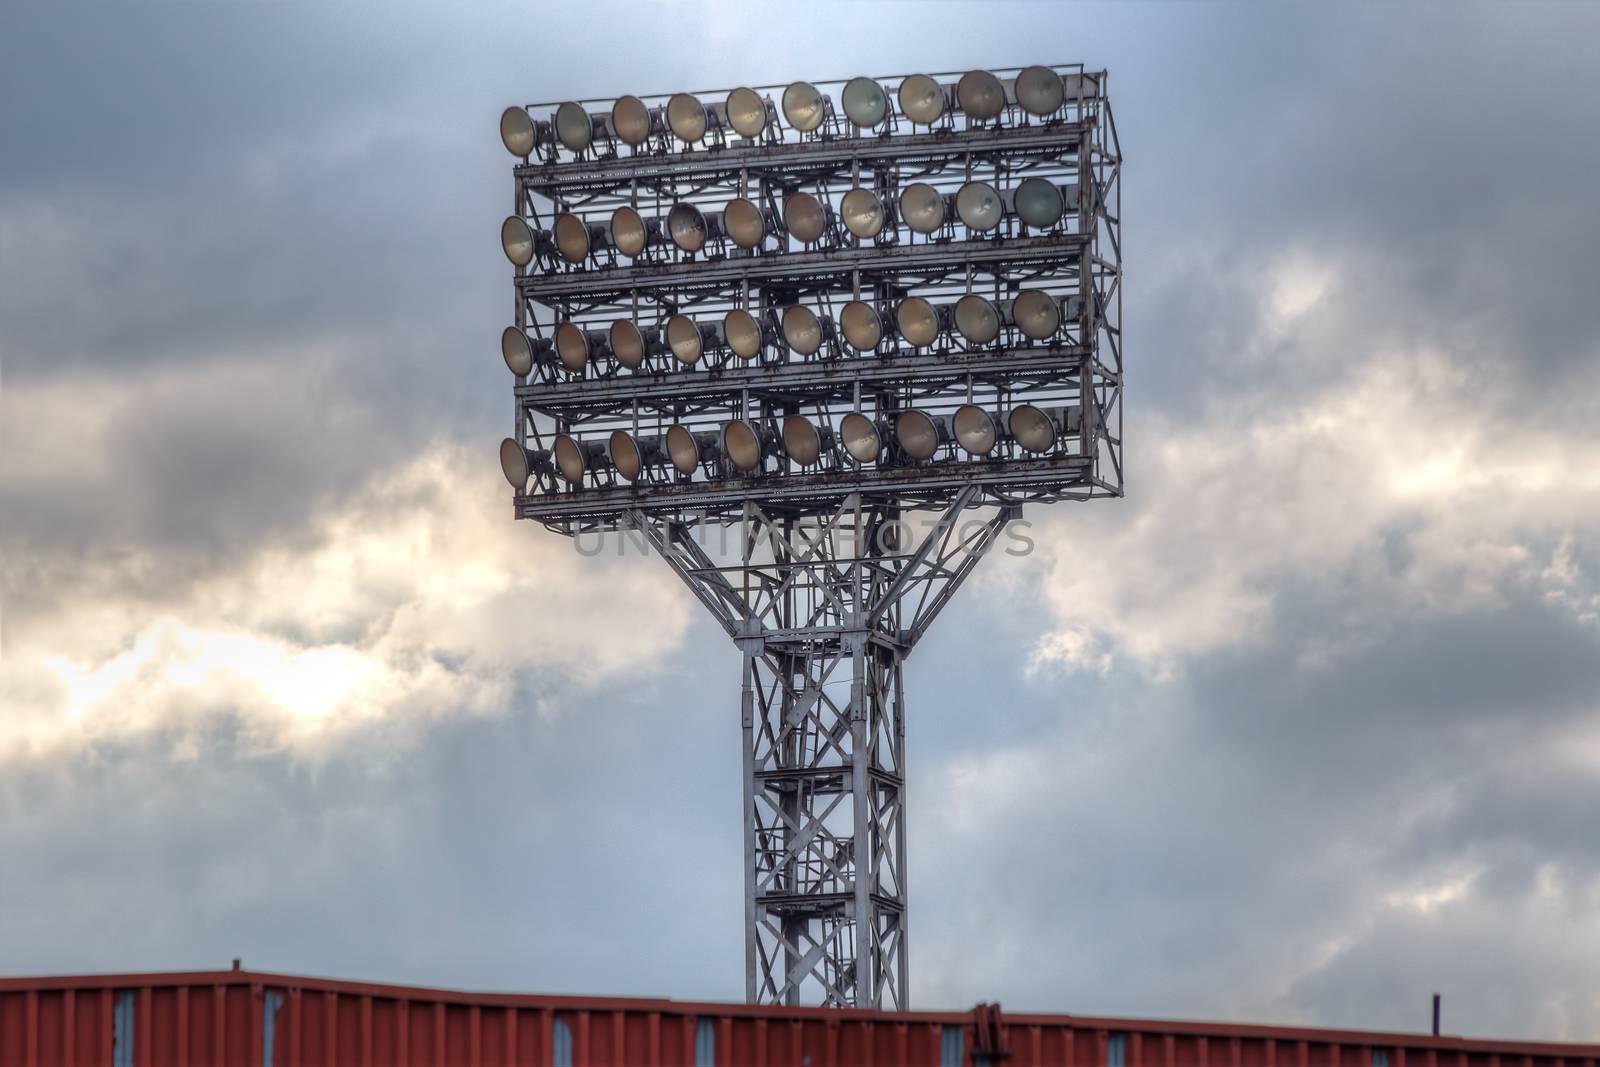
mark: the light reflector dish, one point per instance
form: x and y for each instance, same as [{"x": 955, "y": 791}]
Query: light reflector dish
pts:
[
  {"x": 745, "y": 224},
  {"x": 573, "y": 128},
  {"x": 974, "y": 430},
  {"x": 517, "y": 240},
  {"x": 683, "y": 337},
  {"x": 572, "y": 347},
  {"x": 803, "y": 217},
  {"x": 921, "y": 99},
  {"x": 980, "y": 94},
  {"x": 1036, "y": 314},
  {"x": 922, "y": 207},
  {"x": 861, "y": 438},
  {"x": 742, "y": 445},
  {"x": 514, "y": 464},
  {"x": 747, "y": 112},
  {"x": 980, "y": 206},
  {"x": 917, "y": 433},
  {"x": 743, "y": 333},
  {"x": 627, "y": 343},
  {"x": 802, "y": 330},
  {"x": 683, "y": 449},
  {"x": 687, "y": 227},
  {"x": 517, "y": 132},
  {"x": 861, "y": 325},
  {"x": 977, "y": 319},
  {"x": 570, "y": 460},
  {"x": 1039, "y": 91},
  {"x": 862, "y": 212},
  {"x": 629, "y": 232},
  {"x": 686, "y": 116},
  {"x": 801, "y": 440},
  {"x": 572, "y": 238},
  {"x": 517, "y": 350},
  {"x": 1039, "y": 203},
  {"x": 804, "y": 106},
  {"x": 630, "y": 120},
  {"x": 918, "y": 321},
  {"x": 626, "y": 455},
  {"x": 865, "y": 102},
  {"x": 1032, "y": 428}
]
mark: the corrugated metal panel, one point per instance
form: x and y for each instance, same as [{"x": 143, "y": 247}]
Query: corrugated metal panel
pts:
[{"x": 228, "y": 1018}]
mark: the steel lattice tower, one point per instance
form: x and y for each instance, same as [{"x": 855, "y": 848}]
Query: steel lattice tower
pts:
[{"x": 682, "y": 371}]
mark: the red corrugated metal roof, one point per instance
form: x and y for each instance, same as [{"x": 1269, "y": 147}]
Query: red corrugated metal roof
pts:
[{"x": 254, "y": 1018}]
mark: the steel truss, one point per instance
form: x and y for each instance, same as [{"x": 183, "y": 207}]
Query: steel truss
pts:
[{"x": 825, "y": 608}]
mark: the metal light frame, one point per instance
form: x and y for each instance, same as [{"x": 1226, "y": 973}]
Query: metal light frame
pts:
[{"x": 832, "y": 581}]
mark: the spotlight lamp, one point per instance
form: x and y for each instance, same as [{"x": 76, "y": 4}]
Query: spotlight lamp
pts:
[
  {"x": 974, "y": 430},
  {"x": 803, "y": 441},
  {"x": 630, "y": 455},
  {"x": 518, "y": 240},
  {"x": 862, "y": 327},
  {"x": 919, "y": 434},
  {"x": 1039, "y": 91},
  {"x": 745, "y": 222},
  {"x": 804, "y": 217},
  {"x": 686, "y": 116},
  {"x": 922, "y": 99},
  {"x": 1038, "y": 203},
  {"x": 628, "y": 343},
  {"x": 804, "y": 106},
  {"x": 687, "y": 449},
  {"x": 689, "y": 339},
  {"x": 518, "y": 463},
  {"x": 576, "y": 239},
  {"x": 744, "y": 334},
  {"x": 575, "y": 347},
  {"x": 575, "y": 458},
  {"x": 979, "y": 206},
  {"x": 865, "y": 102},
  {"x": 574, "y": 127},
  {"x": 689, "y": 227},
  {"x": 862, "y": 212},
  {"x": 980, "y": 95},
  {"x": 1032, "y": 428},
  {"x": 521, "y": 352},
  {"x": 631, "y": 233},
  {"x": 744, "y": 444},
  {"x": 632, "y": 121},
  {"x": 1036, "y": 314},
  {"x": 918, "y": 321},
  {"x": 518, "y": 132},
  {"x": 747, "y": 112},
  {"x": 803, "y": 331},
  {"x": 922, "y": 207},
  {"x": 861, "y": 437},
  {"x": 977, "y": 319}
]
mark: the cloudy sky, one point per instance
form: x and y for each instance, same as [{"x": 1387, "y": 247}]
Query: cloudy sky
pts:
[{"x": 1304, "y": 729}]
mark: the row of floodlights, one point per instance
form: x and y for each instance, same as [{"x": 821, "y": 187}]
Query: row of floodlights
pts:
[
  {"x": 1036, "y": 202},
  {"x": 923, "y": 101},
  {"x": 746, "y": 444},
  {"x": 1036, "y": 315}
]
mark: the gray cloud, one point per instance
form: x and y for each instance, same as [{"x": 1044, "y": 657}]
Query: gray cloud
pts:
[{"x": 1328, "y": 742}]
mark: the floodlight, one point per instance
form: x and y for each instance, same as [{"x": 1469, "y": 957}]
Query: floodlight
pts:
[
  {"x": 977, "y": 319},
  {"x": 743, "y": 333},
  {"x": 980, "y": 94},
  {"x": 687, "y": 227},
  {"x": 921, "y": 99},
  {"x": 574, "y": 237},
  {"x": 517, "y": 132},
  {"x": 1039, "y": 90},
  {"x": 980, "y": 206},
  {"x": 865, "y": 102},
  {"x": 918, "y": 321},
  {"x": 630, "y": 120},
  {"x": 629, "y": 454},
  {"x": 685, "y": 340},
  {"x": 802, "y": 330},
  {"x": 974, "y": 430},
  {"x": 574, "y": 128},
  {"x": 742, "y": 444},
  {"x": 802, "y": 440},
  {"x": 627, "y": 343},
  {"x": 573, "y": 347},
  {"x": 517, "y": 350},
  {"x": 516, "y": 463},
  {"x": 1033, "y": 429},
  {"x": 862, "y": 327},
  {"x": 922, "y": 207},
  {"x": 574, "y": 457},
  {"x": 685, "y": 449},
  {"x": 861, "y": 437},
  {"x": 687, "y": 118},
  {"x": 518, "y": 240},
  {"x": 745, "y": 222},
  {"x": 630, "y": 233},
  {"x": 804, "y": 217},
  {"x": 918, "y": 434},
  {"x": 804, "y": 106},
  {"x": 1036, "y": 314},
  {"x": 1038, "y": 203},
  {"x": 747, "y": 112},
  {"x": 862, "y": 212}
]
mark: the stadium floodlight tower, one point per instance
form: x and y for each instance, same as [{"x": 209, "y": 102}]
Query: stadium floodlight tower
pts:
[{"x": 862, "y": 323}]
